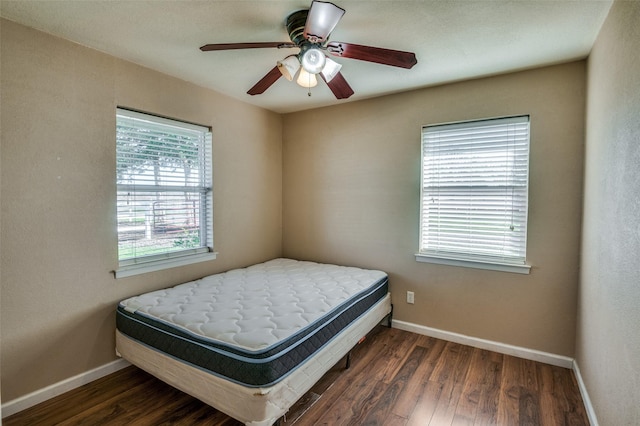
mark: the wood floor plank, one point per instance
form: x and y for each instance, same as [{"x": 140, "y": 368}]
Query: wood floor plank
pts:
[
  {"x": 446, "y": 406},
  {"x": 452, "y": 371},
  {"x": 366, "y": 358},
  {"x": 487, "y": 411},
  {"x": 529, "y": 408},
  {"x": 81, "y": 399},
  {"x": 362, "y": 407},
  {"x": 397, "y": 357},
  {"x": 509, "y": 398},
  {"x": 185, "y": 410},
  {"x": 426, "y": 404},
  {"x": 407, "y": 401},
  {"x": 454, "y": 365},
  {"x": 394, "y": 420},
  {"x": 573, "y": 404},
  {"x": 529, "y": 375},
  {"x": 396, "y": 378},
  {"x": 129, "y": 406},
  {"x": 353, "y": 406},
  {"x": 473, "y": 386},
  {"x": 553, "y": 403},
  {"x": 383, "y": 408}
]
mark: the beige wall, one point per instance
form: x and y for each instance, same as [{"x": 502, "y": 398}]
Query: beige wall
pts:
[
  {"x": 608, "y": 336},
  {"x": 58, "y": 198},
  {"x": 351, "y": 188},
  {"x": 0, "y": 235}
]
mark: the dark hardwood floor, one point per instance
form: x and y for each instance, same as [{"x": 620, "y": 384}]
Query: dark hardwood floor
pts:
[{"x": 396, "y": 378}]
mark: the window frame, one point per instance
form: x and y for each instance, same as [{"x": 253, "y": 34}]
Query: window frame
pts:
[
  {"x": 471, "y": 260},
  {"x": 205, "y": 252}
]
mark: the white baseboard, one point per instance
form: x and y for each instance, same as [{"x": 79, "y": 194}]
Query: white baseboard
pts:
[
  {"x": 591, "y": 413},
  {"x": 503, "y": 348},
  {"x": 59, "y": 388}
]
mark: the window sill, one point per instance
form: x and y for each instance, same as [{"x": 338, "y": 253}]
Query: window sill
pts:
[
  {"x": 502, "y": 267},
  {"x": 158, "y": 265}
]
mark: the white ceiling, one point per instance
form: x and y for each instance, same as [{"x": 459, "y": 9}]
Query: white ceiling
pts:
[{"x": 453, "y": 40}]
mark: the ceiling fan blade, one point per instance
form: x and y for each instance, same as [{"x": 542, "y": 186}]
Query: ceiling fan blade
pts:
[
  {"x": 266, "y": 82},
  {"x": 321, "y": 20},
  {"x": 339, "y": 86},
  {"x": 395, "y": 58},
  {"x": 255, "y": 45}
]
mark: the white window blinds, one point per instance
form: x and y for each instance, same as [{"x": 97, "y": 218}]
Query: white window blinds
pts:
[
  {"x": 164, "y": 200},
  {"x": 475, "y": 190}
]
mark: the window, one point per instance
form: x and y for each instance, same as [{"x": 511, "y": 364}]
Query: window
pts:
[
  {"x": 474, "y": 194},
  {"x": 164, "y": 200}
]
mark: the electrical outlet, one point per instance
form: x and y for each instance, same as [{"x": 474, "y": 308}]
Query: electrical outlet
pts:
[{"x": 410, "y": 297}]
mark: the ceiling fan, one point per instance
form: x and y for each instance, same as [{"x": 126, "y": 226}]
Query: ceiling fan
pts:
[{"x": 309, "y": 30}]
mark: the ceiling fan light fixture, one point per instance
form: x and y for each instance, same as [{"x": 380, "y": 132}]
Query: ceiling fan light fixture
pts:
[
  {"x": 330, "y": 70},
  {"x": 313, "y": 60},
  {"x": 306, "y": 79},
  {"x": 309, "y": 30},
  {"x": 289, "y": 66}
]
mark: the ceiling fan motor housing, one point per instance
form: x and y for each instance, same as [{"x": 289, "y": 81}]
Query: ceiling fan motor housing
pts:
[{"x": 295, "y": 24}]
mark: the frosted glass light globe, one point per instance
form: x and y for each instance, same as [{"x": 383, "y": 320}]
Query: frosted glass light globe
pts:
[{"x": 313, "y": 60}]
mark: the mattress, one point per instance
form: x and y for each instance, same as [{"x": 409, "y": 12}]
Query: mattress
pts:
[{"x": 253, "y": 326}]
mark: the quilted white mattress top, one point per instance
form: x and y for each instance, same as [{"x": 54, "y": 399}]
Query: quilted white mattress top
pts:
[{"x": 256, "y": 307}]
